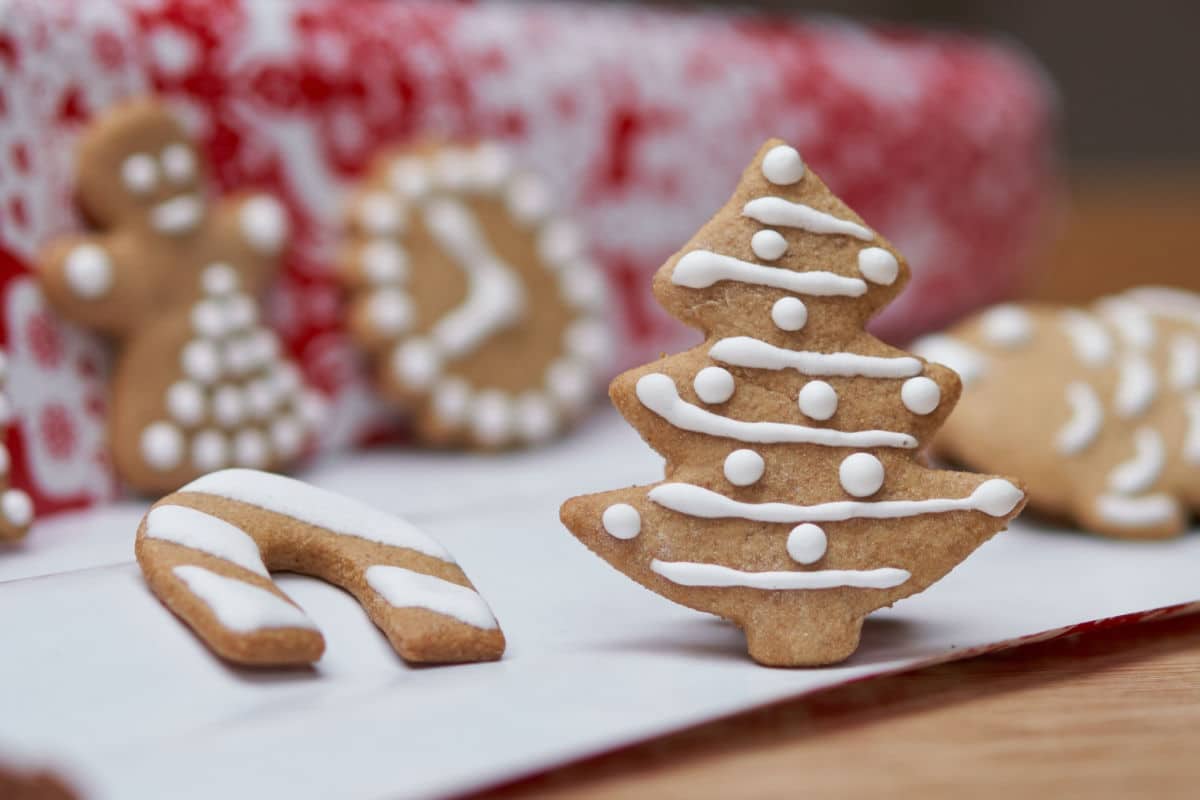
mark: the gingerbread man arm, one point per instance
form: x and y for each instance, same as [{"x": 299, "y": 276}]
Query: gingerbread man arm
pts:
[
  {"x": 258, "y": 225},
  {"x": 92, "y": 281}
]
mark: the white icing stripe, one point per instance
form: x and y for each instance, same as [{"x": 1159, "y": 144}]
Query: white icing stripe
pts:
[
  {"x": 1089, "y": 338},
  {"x": 1140, "y": 472},
  {"x": 777, "y": 211},
  {"x": 318, "y": 507},
  {"x": 1087, "y": 417},
  {"x": 658, "y": 393},
  {"x": 206, "y": 533},
  {"x": 1191, "y": 441},
  {"x": 688, "y": 573},
  {"x": 744, "y": 351},
  {"x": 404, "y": 588},
  {"x": 994, "y": 497},
  {"x": 1137, "y": 512},
  {"x": 1131, "y": 321},
  {"x": 1137, "y": 387},
  {"x": 1184, "y": 364},
  {"x": 700, "y": 269},
  {"x": 239, "y": 606}
]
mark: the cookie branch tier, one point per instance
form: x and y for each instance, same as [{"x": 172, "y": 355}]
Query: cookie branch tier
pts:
[{"x": 795, "y": 501}]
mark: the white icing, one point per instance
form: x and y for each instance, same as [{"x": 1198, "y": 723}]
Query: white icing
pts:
[
  {"x": 783, "y": 166},
  {"x": 569, "y": 382},
  {"x": 201, "y": 361},
  {"x": 313, "y": 409},
  {"x": 1183, "y": 367},
  {"x": 658, "y": 393},
  {"x": 789, "y": 314},
  {"x": 622, "y": 521},
  {"x": 1140, "y": 472},
  {"x": 416, "y": 362},
  {"x": 768, "y": 245},
  {"x": 921, "y": 395},
  {"x": 229, "y": 405},
  {"x": 162, "y": 446},
  {"x": 17, "y": 507},
  {"x": 492, "y": 417},
  {"x": 250, "y": 448},
  {"x": 210, "y": 451},
  {"x": 535, "y": 417},
  {"x": 744, "y": 467},
  {"x": 818, "y": 400},
  {"x": 318, "y": 507},
  {"x": 878, "y": 266},
  {"x": 1007, "y": 326},
  {"x": 688, "y": 573},
  {"x": 179, "y": 163},
  {"x": 262, "y": 397},
  {"x": 559, "y": 243},
  {"x": 384, "y": 262},
  {"x": 713, "y": 385},
  {"x": 410, "y": 177},
  {"x": 404, "y": 588},
  {"x": 379, "y": 214},
  {"x": 584, "y": 287},
  {"x": 590, "y": 340},
  {"x": 700, "y": 269},
  {"x": 1137, "y": 512},
  {"x": 264, "y": 223},
  {"x": 1089, "y": 338},
  {"x": 239, "y": 606},
  {"x": 178, "y": 215},
  {"x": 185, "y": 403},
  {"x": 89, "y": 272},
  {"x": 966, "y": 361},
  {"x": 5, "y": 459},
  {"x": 861, "y": 474},
  {"x": 777, "y": 211},
  {"x": 242, "y": 312},
  {"x": 287, "y": 436},
  {"x": 139, "y": 173},
  {"x": 744, "y": 351},
  {"x": 1087, "y": 417},
  {"x": 452, "y": 399},
  {"x": 390, "y": 311},
  {"x": 806, "y": 543},
  {"x": 219, "y": 279},
  {"x": 1137, "y": 387},
  {"x": 491, "y": 164},
  {"x": 209, "y": 319},
  {"x": 1131, "y": 321},
  {"x": 528, "y": 198},
  {"x": 995, "y": 497},
  {"x": 204, "y": 532}
]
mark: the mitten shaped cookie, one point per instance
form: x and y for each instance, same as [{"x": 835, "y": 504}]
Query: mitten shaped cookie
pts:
[
  {"x": 473, "y": 296},
  {"x": 16, "y": 507},
  {"x": 1096, "y": 410},
  {"x": 171, "y": 276},
  {"x": 796, "y": 500}
]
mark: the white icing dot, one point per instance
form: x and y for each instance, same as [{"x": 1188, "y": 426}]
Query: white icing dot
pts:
[
  {"x": 622, "y": 521},
  {"x": 313, "y": 408},
  {"x": 768, "y": 245},
  {"x": 878, "y": 265},
  {"x": 806, "y": 543},
  {"x": 384, "y": 262},
  {"x": 590, "y": 340},
  {"x": 390, "y": 311},
  {"x": 920, "y": 395},
  {"x": 861, "y": 474},
  {"x": 179, "y": 162},
  {"x": 713, "y": 384},
  {"x": 416, "y": 363},
  {"x": 287, "y": 435},
  {"x": 241, "y": 312},
  {"x": 451, "y": 399},
  {"x": 818, "y": 400},
  {"x": 453, "y": 169},
  {"x": 782, "y": 165},
  {"x": 139, "y": 173},
  {"x": 409, "y": 177},
  {"x": 209, "y": 319},
  {"x": 162, "y": 446},
  {"x": 229, "y": 406},
  {"x": 17, "y": 507},
  {"x": 5, "y": 459},
  {"x": 285, "y": 379},
  {"x": 185, "y": 403},
  {"x": 559, "y": 243},
  {"x": 219, "y": 279},
  {"x": 264, "y": 223},
  {"x": 492, "y": 417},
  {"x": 1007, "y": 326},
  {"x": 88, "y": 271},
  {"x": 210, "y": 451},
  {"x": 584, "y": 287},
  {"x": 379, "y": 214},
  {"x": 535, "y": 417},
  {"x": 265, "y": 345},
  {"x": 569, "y": 382},
  {"x": 262, "y": 398},
  {"x": 743, "y": 467},
  {"x": 201, "y": 361},
  {"x": 528, "y": 198},
  {"x": 789, "y": 313},
  {"x": 240, "y": 355},
  {"x": 492, "y": 164},
  {"x": 250, "y": 449}
]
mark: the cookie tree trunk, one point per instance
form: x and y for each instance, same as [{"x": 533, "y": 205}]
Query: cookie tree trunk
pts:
[{"x": 794, "y": 503}]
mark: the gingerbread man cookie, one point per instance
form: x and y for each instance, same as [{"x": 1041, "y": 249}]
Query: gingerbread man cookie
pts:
[
  {"x": 206, "y": 551},
  {"x": 796, "y": 499},
  {"x": 199, "y": 384},
  {"x": 474, "y": 297},
  {"x": 1097, "y": 410},
  {"x": 16, "y": 507}
]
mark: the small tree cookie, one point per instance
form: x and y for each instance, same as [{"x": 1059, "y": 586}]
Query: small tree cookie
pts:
[
  {"x": 473, "y": 296},
  {"x": 796, "y": 500},
  {"x": 1097, "y": 410},
  {"x": 16, "y": 507},
  {"x": 199, "y": 384}
]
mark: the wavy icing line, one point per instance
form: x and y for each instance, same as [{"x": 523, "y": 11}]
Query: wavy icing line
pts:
[
  {"x": 777, "y": 211},
  {"x": 690, "y": 573},
  {"x": 658, "y": 393},
  {"x": 1087, "y": 417},
  {"x": 745, "y": 351},
  {"x": 1137, "y": 387},
  {"x": 1090, "y": 340},
  {"x": 1136, "y": 512},
  {"x": 700, "y": 269},
  {"x": 1140, "y": 472}
]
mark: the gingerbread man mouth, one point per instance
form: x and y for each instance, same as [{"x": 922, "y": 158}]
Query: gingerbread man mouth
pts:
[{"x": 179, "y": 214}]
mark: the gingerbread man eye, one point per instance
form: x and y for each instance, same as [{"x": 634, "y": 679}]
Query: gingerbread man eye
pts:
[
  {"x": 179, "y": 163},
  {"x": 139, "y": 173}
]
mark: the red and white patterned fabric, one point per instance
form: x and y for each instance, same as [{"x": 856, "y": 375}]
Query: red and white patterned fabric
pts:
[{"x": 641, "y": 120}]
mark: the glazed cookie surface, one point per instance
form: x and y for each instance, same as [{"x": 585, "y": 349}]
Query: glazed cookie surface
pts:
[
  {"x": 206, "y": 552},
  {"x": 473, "y": 296},
  {"x": 796, "y": 500}
]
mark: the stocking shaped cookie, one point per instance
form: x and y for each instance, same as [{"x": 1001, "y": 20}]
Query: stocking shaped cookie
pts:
[
  {"x": 795, "y": 499},
  {"x": 199, "y": 384},
  {"x": 206, "y": 549},
  {"x": 473, "y": 296},
  {"x": 16, "y": 508},
  {"x": 1097, "y": 410}
]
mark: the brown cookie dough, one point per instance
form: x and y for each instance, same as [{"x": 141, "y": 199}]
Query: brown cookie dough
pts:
[{"x": 796, "y": 500}]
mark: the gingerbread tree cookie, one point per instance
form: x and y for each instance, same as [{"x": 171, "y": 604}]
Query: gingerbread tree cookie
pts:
[
  {"x": 796, "y": 500},
  {"x": 199, "y": 384},
  {"x": 473, "y": 296},
  {"x": 16, "y": 507},
  {"x": 1097, "y": 410}
]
